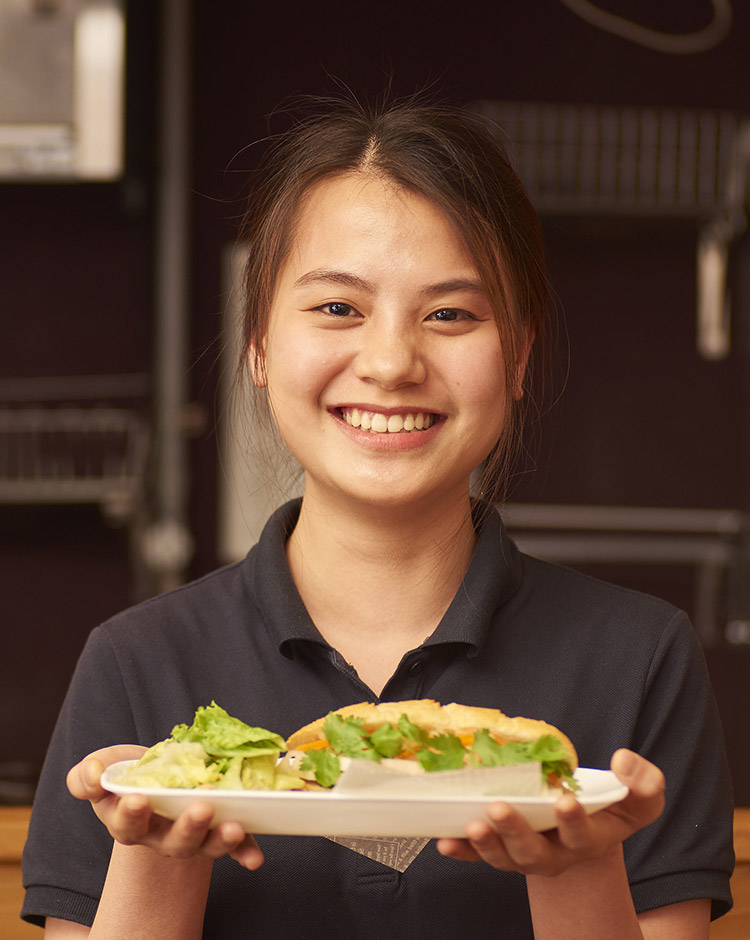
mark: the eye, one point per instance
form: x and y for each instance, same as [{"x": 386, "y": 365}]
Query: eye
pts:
[
  {"x": 336, "y": 309},
  {"x": 450, "y": 315}
]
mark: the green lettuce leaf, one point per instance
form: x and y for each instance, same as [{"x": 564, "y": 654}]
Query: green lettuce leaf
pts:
[
  {"x": 224, "y": 736},
  {"x": 215, "y": 751},
  {"x": 173, "y": 764}
]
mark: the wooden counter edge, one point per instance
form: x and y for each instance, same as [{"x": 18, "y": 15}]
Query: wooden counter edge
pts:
[
  {"x": 742, "y": 834},
  {"x": 14, "y": 824}
]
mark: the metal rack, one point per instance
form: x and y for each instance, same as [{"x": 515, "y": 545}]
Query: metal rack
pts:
[
  {"x": 655, "y": 165},
  {"x": 580, "y": 159},
  {"x": 648, "y": 163},
  {"x": 78, "y": 440},
  {"x": 711, "y": 542},
  {"x": 73, "y": 455}
]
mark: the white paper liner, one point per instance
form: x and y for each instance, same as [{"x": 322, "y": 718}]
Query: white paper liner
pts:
[{"x": 384, "y": 778}]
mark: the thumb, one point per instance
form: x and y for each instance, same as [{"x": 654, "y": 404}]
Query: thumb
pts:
[
  {"x": 83, "y": 779},
  {"x": 644, "y": 780}
]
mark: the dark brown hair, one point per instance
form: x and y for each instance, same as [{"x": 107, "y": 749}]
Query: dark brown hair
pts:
[{"x": 444, "y": 154}]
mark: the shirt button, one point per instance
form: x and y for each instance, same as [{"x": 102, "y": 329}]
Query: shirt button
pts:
[{"x": 416, "y": 667}]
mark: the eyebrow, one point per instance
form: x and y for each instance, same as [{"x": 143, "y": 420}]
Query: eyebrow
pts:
[
  {"x": 453, "y": 286},
  {"x": 324, "y": 276}
]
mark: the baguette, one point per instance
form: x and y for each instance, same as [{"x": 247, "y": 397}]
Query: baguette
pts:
[{"x": 461, "y": 721}]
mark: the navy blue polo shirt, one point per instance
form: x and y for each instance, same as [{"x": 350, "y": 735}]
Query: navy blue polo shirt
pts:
[{"x": 608, "y": 666}]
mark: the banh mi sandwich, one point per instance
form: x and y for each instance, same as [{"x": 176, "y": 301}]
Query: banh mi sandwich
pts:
[
  {"x": 434, "y": 736},
  {"x": 217, "y": 750}
]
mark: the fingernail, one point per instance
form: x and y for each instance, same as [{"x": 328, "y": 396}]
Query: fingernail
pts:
[
  {"x": 200, "y": 815},
  {"x": 628, "y": 763},
  {"x": 567, "y": 805},
  {"x": 135, "y": 805}
]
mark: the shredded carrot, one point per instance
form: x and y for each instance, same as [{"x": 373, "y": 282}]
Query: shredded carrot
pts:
[{"x": 313, "y": 745}]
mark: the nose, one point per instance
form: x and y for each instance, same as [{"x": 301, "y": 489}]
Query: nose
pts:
[{"x": 390, "y": 355}]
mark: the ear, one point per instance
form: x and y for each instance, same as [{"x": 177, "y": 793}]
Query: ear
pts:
[
  {"x": 257, "y": 362},
  {"x": 522, "y": 360}
]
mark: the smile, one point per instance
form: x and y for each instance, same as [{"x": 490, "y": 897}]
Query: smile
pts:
[{"x": 378, "y": 423}]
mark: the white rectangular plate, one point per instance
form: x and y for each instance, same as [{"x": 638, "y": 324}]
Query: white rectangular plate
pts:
[{"x": 314, "y": 813}]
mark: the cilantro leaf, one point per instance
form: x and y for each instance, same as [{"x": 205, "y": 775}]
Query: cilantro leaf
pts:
[
  {"x": 547, "y": 751},
  {"x": 325, "y": 765},
  {"x": 415, "y": 737},
  {"x": 491, "y": 754},
  {"x": 387, "y": 740},
  {"x": 347, "y": 736},
  {"x": 445, "y": 752}
]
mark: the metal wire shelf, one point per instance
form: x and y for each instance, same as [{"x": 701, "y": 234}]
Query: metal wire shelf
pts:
[
  {"x": 584, "y": 159},
  {"x": 73, "y": 455}
]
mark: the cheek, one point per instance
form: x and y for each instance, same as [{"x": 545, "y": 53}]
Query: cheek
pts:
[
  {"x": 297, "y": 372},
  {"x": 480, "y": 382},
  {"x": 481, "y": 387}
]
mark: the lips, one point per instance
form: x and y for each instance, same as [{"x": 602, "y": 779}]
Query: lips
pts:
[{"x": 379, "y": 423}]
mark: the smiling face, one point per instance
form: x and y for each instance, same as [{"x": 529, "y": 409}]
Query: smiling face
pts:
[{"x": 382, "y": 359}]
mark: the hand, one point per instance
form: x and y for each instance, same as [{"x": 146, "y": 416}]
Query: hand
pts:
[
  {"x": 508, "y": 843},
  {"x": 131, "y": 821}
]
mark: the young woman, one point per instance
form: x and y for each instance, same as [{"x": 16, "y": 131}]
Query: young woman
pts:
[{"x": 396, "y": 287}]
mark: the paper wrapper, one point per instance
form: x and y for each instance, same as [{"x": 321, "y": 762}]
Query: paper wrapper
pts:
[{"x": 368, "y": 777}]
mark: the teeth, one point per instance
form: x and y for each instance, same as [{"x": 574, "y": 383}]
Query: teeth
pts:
[
  {"x": 387, "y": 424},
  {"x": 395, "y": 423}
]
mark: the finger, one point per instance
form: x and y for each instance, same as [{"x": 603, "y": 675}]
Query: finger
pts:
[
  {"x": 248, "y": 854},
  {"x": 513, "y": 844},
  {"x": 574, "y": 829},
  {"x": 489, "y": 848},
  {"x": 459, "y": 849},
  {"x": 131, "y": 820},
  {"x": 189, "y": 833}
]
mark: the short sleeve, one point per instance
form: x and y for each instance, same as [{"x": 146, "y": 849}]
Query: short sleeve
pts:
[
  {"x": 64, "y": 876},
  {"x": 687, "y": 853}
]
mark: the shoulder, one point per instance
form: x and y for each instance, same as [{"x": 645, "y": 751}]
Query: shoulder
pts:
[
  {"x": 551, "y": 592},
  {"x": 590, "y": 637},
  {"x": 222, "y": 597},
  {"x": 570, "y": 596},
  {"x": 214, "y": 598}
]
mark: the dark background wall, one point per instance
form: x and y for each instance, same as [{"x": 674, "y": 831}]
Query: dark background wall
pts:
[{"x": 642, "y": 420}]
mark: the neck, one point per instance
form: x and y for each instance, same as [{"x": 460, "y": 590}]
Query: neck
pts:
[{"x": 376, "y": 581}]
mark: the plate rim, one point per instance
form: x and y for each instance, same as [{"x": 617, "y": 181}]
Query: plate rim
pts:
[{"x": 616, "y": 793}]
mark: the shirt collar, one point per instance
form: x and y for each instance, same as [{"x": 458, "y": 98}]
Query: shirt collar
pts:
[{"x": 493, "y": 577}]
